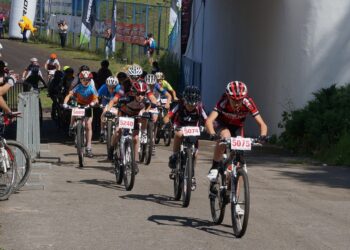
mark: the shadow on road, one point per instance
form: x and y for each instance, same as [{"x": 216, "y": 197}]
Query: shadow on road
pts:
[
  {"x": 102, "y": 183},
  {"x": 155, "y": 198},
  {"x": 180, "y": 221}
]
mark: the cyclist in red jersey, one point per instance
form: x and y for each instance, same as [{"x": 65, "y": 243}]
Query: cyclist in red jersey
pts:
[{"x": 228, "y": 116}]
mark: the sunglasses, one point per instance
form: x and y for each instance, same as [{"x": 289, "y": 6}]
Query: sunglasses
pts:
[{"x": 140, "y": 94}]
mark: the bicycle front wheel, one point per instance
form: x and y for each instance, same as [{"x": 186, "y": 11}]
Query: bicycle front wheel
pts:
[
  {"x": 167, "y": 136},
  {"x": 240, "y": 204},
  {"x": 7, "y": 173},
  {"x": 149, "y": 145},
  {"x": 178, "y": 179},
  {"x": 80, "y": 143},
  {"x": 217, "y": 198},
  {"x": 23, "y": 162},
  {"x": 187, "y": 180},
  {"x": 129, "y": 167},
  {"x": 118, "y": 166},
  {"x": 109, "y": 138}
]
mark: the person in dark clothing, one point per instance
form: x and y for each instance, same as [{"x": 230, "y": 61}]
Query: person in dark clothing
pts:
[
  {"x": 103, "y": 73},
  {"x": 155, "y": 67},
  {"x": 67, "y": 80}
]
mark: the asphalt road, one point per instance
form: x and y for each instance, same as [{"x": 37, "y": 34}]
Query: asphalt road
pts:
[{"x": 293, "y": 205}]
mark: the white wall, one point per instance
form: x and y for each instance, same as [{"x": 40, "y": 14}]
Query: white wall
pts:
[{"x": 283, "y": 49}]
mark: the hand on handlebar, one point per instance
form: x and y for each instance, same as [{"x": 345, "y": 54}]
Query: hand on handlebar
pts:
[
  {"x": 263, "y": 139},
  {"x": 214, "y": 137}
]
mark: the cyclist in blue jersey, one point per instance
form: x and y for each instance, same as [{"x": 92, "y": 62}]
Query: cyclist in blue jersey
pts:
[{"x": 106, "y": 93}]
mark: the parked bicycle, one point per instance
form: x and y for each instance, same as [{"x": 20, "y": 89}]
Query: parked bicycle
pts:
[
  {"x": 184, "y": 171},
  {"x": 232, "y": 185}
]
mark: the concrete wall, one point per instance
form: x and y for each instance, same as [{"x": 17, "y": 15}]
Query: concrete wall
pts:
[{"x": 283, "y": 49}]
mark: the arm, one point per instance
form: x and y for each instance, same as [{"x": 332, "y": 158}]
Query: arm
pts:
[
  {"x": 24, "y": 74},
  {"x": 46, "y": 64},
  {"x": 152, "y": 98},
  {"x": 4, "y": 106},
  {"x": 112, "y": 102},
  {"x": 262, "y": 124},
  {"x": 166, "y": 119},
  {"x": 209, "y": 124},
  {"x": 4, "y": 88},
  {"x": 66, "y": 99},
  {"x": 42, "y": 80}
]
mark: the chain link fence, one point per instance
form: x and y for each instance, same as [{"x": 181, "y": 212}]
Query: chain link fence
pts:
[{"x": 140, "y": 18}]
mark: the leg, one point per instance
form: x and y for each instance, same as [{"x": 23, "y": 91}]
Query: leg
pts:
[
  {"x": 103, "y": 122},
  {"x": 88, "y": 129}
]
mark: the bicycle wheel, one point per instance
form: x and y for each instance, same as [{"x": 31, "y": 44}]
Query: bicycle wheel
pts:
[
  {"x": 240, "y": 204},
  {"x": 178, "y": 179},
  {"x": 217, "y": 198},
  {"x": 187, "y": 180},
  {"x": 157, "y": 133},
  {"x": 142, "y": 151},
  {"x": 129, "y": 167},
  {"x": 7, "y": 173},
  {"x": 118, "y": 166},
  {"x": 167, "y": 136},
  {"x": 80, "y": 143},
  {"x": 109, "y": 139},
  {"x": 23, "y": 162},
  {"x": 149, "y": 145}
]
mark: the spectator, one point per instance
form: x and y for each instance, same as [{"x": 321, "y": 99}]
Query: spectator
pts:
[
  {"x": 62, "y": 30},
  {"x": 108, "y": 43},
  {"x": 150, "y": 45},
  {"x": 102, "y": 74},
  {"x": 155, "y": 67},
  {"x": 2, "y": 20}
]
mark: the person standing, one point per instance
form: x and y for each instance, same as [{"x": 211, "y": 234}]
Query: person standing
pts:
[
  {"x": 62, "y": 30},
  {"x": 150, "y": 45},
  {"x": 2, "y": 20},
  {"x": 102, "y": 74},
  {"x": 108, "y": 43}
]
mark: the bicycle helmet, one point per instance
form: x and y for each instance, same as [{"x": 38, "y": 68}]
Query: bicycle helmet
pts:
[
  {"x": 85, "y": 74},
  {"x": 53, "y": 56},
  {"x": 139, "y": 86},
  {"x": 65, "y": 68},
  {"x": 34, "y": 59},
  {"x": 135, "y": 71},
  {"x": 112, "y": 81},
  {"x": 236, "y": 90},
  {"x": 150, "y": 79},
  {"x": 160, "y": 76},
  {"x": 191, "y": 95}
]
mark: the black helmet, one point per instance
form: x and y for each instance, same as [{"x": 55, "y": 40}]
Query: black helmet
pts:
[
  {"x": 191, "y": 95},
  {"x": 84, "y": 68}
]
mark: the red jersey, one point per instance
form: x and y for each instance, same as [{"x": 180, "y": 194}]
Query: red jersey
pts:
[{"x": 235, "y": 116}]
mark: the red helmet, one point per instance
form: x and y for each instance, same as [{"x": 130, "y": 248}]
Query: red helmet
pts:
[
  {"x": 85, "y": 74},
  {"x": 139, "y": 86},
  {"x": 236, "y": 90}
]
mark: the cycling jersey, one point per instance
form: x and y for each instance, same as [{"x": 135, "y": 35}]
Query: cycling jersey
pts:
[
  {"x": 166, "y": 85},
  {"x": 106, "y": 96},
  {"x": 131, "y": 107},
  {"x": 183, "y": 117},
  {"x": 52, "y": 64},
  {"x": 85, "y": 95},
  {"x": 158, "y": 91},
  {"x": 235, "y": 116}
]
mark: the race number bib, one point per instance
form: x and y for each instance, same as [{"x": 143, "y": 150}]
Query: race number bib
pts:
[
  {"x": 191, "y": 131},
  {"x": 163, "y": 101},
  {"x": 126, "y": 122},
  {"x": 78, "y": 112},
  {"x": 240, "y": 143}
]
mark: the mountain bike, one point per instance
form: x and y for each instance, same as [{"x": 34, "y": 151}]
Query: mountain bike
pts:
[
  {"x": 162, "y": 130},
  {"x": 146, "y": 140},
  {"x": 184, "y": 171},
  {"x": 78, "y": 112},
  {"x": 109, "y": 127},
  {"x": 124, "y": 154},
  {"x": 232, "y": 185}
]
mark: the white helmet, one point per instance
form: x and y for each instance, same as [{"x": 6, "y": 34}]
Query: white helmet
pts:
[
  {"x": 160, "y": 76},
  {"x": 135, "y": 70},
  {"x": 112, "y": 81},
  {"x": 150, "y": 79},
  {"x": 34, "y": 59}
]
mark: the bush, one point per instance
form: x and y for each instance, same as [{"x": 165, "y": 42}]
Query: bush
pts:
[{"x": 320, "y": 126}]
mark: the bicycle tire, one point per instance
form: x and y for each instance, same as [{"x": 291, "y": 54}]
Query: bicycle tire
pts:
[
  {"x": 118, "y": 167},
  {"x": 142, "y": 152},
  {"x": 240, "y": 224},
  {"x": 129, "y": 167},
  {"x": 157, "y": 134},
  {"x": 80, "y": 143},
  {"x": 149, "y": 146},
  {"x": 167, "y": 136},
  {"x": 109, "y": 137},
  {"x": 178, "y": 179},
  {"x": 217, "y": 200},
  {"x": 6, "y": 191},
  {"x": 187, "y": 180},
  {"x": 23, "y": 170}
]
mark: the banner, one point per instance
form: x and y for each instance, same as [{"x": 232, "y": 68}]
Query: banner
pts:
[
  {"x": 88, "y": 21},
  {"x": 114, "y": 22},
  {"x": 131, "y": 33}
]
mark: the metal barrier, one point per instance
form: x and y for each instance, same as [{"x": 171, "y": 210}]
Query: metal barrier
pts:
[
  {"x": 28, "y": 126},
  {"x": 12, "y": 96}
]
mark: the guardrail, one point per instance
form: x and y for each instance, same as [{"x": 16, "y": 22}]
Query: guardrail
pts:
[
  {"x": 28, "y": 126},
  {"x": 12, "y": 96}
]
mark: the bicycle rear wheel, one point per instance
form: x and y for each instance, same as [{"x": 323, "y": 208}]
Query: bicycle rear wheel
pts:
[
  {"x": 187, "y": 180},
  {"x": 80, "y": 143},
  {"x": 23, "y": 162},
  {"x": 149, "y": 145},
  {"x": 7, "y": 173},
  {"x": 109, "y": 138},
  {"x": 217, "y": 198},
  {"x": 240, "y": 205},
  {"x": 129, "y": 167}
]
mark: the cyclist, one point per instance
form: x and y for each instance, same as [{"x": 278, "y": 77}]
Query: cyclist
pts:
[
  {"x": 166, "y": 85},
  {"x": 85, "y": 94},
  {"x": 52, "y": 64},
  {"x": 228, "y": 116},
  {"x": 32, "y": 74},
  {"x": 188, "y": 112},
  {"x": 132, "y": 105},
  {"x": 6, "y": 82},
  {"x": 107, "y": 92}
]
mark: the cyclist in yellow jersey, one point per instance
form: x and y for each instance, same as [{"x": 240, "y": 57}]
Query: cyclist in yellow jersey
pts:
[{"x": 166, "y": 85}]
